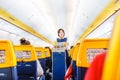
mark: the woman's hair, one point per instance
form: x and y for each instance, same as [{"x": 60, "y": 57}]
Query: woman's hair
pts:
[
  {"x": 49, "y": 49},
  {"x": 23, "y": 41},
  {"x": 61, "y": 30}
]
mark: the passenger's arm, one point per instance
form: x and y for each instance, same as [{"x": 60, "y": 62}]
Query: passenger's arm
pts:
[{"x": 39, "y": 69}]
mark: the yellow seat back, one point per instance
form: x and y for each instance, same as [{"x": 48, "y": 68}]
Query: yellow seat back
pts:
[
  {"x": 40, "y": 52},
  {"x": 71, "y": 52},
  {"x": 47, "y": 52},
  {"x": 25, "y": 53},
  {"x": 7, "y": 55},
  {"x": 75, "y": 52},
  {"x": 111, "y": 69},
  {"x": 88, "y": 49}
]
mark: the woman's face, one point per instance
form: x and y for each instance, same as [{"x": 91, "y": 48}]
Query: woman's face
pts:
[{"x": 61, "y": 34}]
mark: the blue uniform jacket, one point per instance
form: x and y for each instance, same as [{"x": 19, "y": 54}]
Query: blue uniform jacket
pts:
[{"x": 62, "y": 40}]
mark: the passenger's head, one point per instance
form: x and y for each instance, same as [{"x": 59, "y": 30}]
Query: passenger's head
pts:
[
  {"x": 23, "y": 41},
  {"x": 61, "y": 33},
  {"x": 27, "y": 42},
  {"x": 49, "y": 49}
]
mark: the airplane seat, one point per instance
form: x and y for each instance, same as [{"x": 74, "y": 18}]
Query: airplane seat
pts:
[
  {"x": 68, "y": 59},
  {"x": 43, "y": 63},
  {"x": 48, "y": 65},
  {"x": 27, "y": 62},
  {"x": 74, "y": 68},
  {"x": 8, "y": 73},
  {"x": 81, "y": 71},
  {"x": 74, "y": 58},
  {"x": 111, "y": 68},
  {"x": 41, "y": 56},
  {"x": 89, "y": 48},
  {"x": 48, "y": 57},
  {"x": 8, "y": 61},
  {"x": 27, "y": 70}
]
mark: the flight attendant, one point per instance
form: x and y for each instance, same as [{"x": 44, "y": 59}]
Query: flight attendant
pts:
[
  {"x": 61, "y": 35},
  {"x": 62, "y": 38}
]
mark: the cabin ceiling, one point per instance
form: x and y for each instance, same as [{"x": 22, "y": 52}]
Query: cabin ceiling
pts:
[{"x": 47, "y": 16}]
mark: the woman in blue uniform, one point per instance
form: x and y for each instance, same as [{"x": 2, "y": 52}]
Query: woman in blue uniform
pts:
[
  {"x": 62, "y": 38},
  {"x": 61, "y": 35}
]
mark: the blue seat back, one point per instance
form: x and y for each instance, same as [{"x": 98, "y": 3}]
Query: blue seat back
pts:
[
  {"x": 43, "y": 63},
  {"x": 8, "y": 73},
  {"x": 74, "y": 69},
  {"x": 27, "y": 62},
  {"x": 74, "y": 58},
  {"x": 27, "y": 68}
]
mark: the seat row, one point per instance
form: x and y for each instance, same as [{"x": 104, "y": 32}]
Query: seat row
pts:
[
  {"x": 21, "y": 62},
  {"x": 91, "y": 51},
  {"x": 83, "y": 53}
]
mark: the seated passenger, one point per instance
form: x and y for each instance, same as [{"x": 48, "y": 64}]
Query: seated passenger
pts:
[
  {"x": 69, "y": 75},
  {"x": 94, "y": 72},
  {"x": 48, "y": 67},
  {"x": 40, "y": 71},
  {"x": 23, "y": 41}
]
